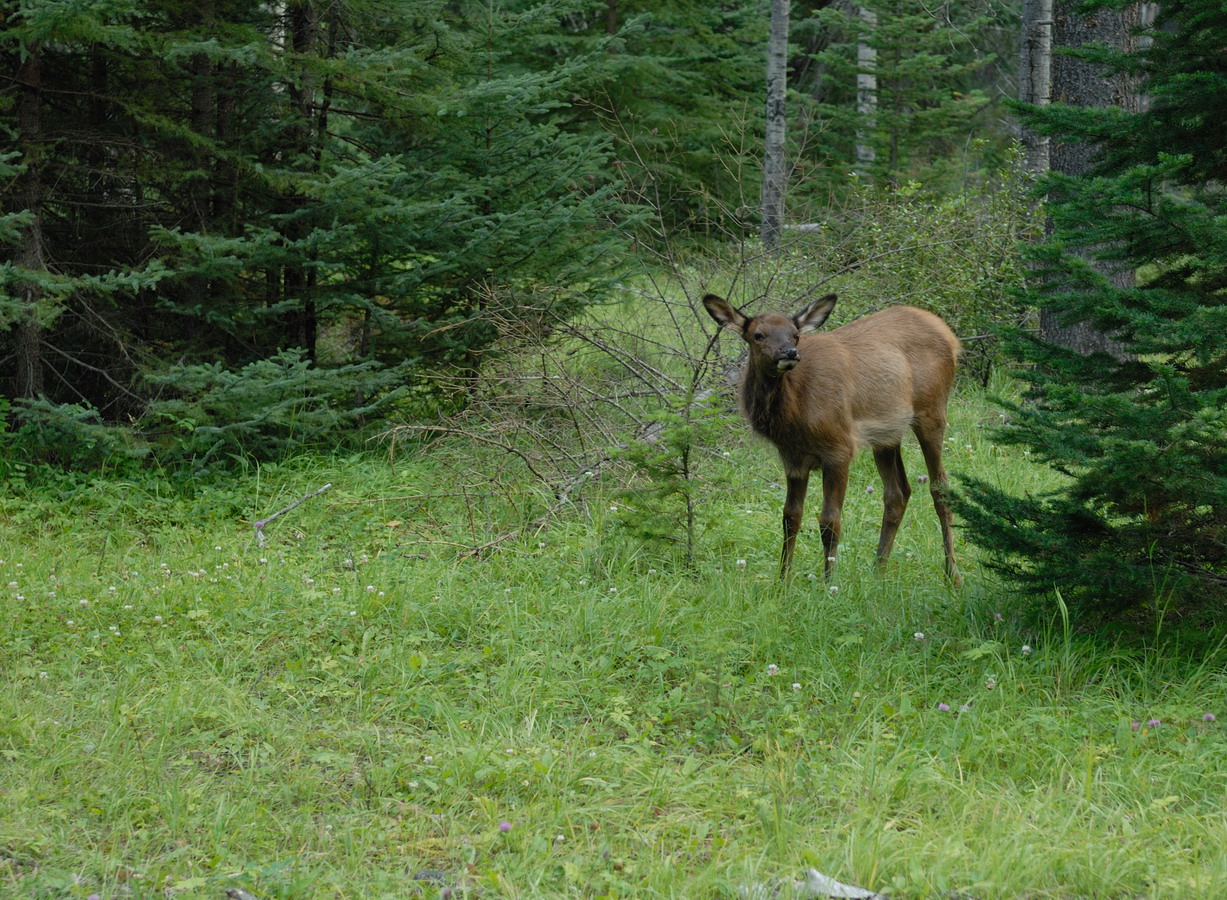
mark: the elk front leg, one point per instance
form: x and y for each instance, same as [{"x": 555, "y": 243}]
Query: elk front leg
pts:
[
  {"x": 834, "y": 487},
  {"x": 794, "y": 506}
]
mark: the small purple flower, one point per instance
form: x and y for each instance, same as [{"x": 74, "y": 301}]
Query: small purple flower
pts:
[
  {"x": 504, "y": 826},
  {"x": 1153, "y": 723},
  {"x": 869, "y": 489},
  {"x": 996, "y": 617},
  {"x": 922, "y": 478},
  {"x": 1208, "y": 717},
  {"x": 1135, "y": 725},
  {"x": 94, "y": 896},
  {"x": 943, "y": 707}
]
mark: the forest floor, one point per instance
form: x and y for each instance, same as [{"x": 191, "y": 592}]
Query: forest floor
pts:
[{"x": 360, "y": 708}]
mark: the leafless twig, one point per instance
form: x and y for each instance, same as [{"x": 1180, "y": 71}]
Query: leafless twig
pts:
[{"x": 259, "y": 525}]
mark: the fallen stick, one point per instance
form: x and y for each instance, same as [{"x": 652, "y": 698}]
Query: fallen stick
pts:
[{"x": 259, "y": 525}]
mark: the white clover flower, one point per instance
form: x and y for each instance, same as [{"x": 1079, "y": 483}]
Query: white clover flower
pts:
[{"x": 918, "y": 636}]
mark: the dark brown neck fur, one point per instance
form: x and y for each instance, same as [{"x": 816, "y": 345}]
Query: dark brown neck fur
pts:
[{"x": 763, "y": 399}]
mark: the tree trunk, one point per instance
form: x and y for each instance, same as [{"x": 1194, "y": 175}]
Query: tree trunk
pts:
[
  {"x": 773, "y": 155},
  {"x": 31, "y": 251},
  {"x": 1076, "y": 82},
  {"x": 1034, "y": 80},
  {"x": 299, "y": 281},
  {"x": 866, "y": 92}
]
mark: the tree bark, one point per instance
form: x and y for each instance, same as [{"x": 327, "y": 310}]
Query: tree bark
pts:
[
  {"x": 773, "y": 151},
  {"x": 31, "y": 251},
  {"x": 866, "y": 92},
  {"x": 1034, "y": 81},
  {"x": 1078, "y": 83},
  {"x": 299, "y": 282}
]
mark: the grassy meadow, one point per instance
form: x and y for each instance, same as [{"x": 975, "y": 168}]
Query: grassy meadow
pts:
[{"x": 360, "y": 708}]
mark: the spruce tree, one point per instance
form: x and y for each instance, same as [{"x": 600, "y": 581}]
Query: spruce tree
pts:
[
  {"x": 1140, "y": 520},
  {"x": 221, "y": 184}
]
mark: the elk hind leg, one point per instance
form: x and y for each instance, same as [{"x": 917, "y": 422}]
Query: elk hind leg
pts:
[
  {"x": 931, "y": 432},
  {"x": 895, "y": 494}
]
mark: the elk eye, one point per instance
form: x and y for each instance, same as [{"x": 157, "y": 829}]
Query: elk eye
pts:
[{"x": 758, "y": 335}]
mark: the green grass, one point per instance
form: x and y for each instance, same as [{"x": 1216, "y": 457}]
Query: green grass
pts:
[{"x": 351, "y": 710}]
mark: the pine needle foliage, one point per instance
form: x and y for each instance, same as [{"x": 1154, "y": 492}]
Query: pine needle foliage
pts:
[{"x": 1140, "y": 523}]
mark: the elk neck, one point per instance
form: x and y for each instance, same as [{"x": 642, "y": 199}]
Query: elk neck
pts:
[{"x": 768, "y": 400}]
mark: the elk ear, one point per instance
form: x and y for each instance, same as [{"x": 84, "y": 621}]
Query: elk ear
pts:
[
  {"x": 815, "y": 314},
  {"x": 725, "y": 314}
]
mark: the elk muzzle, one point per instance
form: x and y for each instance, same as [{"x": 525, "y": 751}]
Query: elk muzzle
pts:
[{"x": 786, "y": 360}]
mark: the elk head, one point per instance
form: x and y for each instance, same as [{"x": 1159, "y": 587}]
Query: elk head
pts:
[{"x": 772, "y": 336}]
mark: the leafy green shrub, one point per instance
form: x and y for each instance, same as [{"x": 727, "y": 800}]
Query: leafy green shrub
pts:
[{"x": 954, "y": 254}]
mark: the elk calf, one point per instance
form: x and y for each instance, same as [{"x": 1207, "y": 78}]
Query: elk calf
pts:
[{"x": 820, "y": 398}]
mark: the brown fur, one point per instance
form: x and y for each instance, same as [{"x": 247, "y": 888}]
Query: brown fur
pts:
[{"x": 861, "y": 385}]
